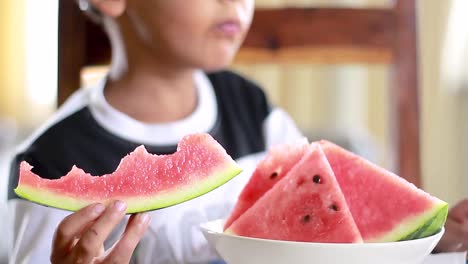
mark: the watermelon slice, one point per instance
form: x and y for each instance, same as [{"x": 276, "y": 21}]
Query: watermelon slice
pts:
[
  {"x": 275, "y": 166},
  {"x": 307, "y": 205},
  {"x": 385, "y": 207},
  {"x": 144, "y": 181}
]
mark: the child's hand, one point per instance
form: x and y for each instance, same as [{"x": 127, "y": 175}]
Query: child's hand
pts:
[
  {"x": 456, "y": 229},
  {"x": 79, "y": 237}
]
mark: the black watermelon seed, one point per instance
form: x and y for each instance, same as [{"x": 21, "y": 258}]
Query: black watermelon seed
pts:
[
  {"x": 334, "y": 207},
  {"x": 317, "y": 179},
  {"x": 273, "y": 175},
  {"x": 306, "y": 219}
]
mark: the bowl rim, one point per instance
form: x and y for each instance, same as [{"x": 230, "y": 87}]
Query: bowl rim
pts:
[{"x": 205, "y": 228}]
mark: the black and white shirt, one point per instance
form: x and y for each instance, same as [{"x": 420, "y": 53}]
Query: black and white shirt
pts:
[{"x": 89, "y": 133}]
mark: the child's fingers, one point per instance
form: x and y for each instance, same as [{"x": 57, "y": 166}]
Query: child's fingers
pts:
[
  {"x": 123, "y": 250},
  {"x": 90, "y": 243},
  {"x": 460, "y": 212},
  {"x": 454, "y": 238},
  {"x": 71, "y": 227}
]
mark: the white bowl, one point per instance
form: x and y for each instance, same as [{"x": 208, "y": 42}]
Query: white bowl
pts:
[{"x": 244, "y": 250}]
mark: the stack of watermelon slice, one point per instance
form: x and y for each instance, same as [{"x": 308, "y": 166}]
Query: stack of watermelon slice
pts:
[{"x": 324, "y": 193}]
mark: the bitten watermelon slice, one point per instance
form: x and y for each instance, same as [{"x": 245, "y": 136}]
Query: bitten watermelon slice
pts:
[
  {"x": 144, "y": 181},
  {"x": 307, "y": 205},
  {"x": 385, "y": 207},
  {"x": 275, "y": 166}
]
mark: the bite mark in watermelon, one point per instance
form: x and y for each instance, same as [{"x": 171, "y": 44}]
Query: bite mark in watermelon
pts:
[
  {"x": 385, "y": 206},
  {"x": 307, "y": 205},
  {"x": 144, "y": 181},
  {"x": 269, "y": 171}
]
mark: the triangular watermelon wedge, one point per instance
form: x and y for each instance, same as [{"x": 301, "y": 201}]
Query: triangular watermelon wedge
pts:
[
  {"x": 144, "y": 181},
  {"x": 278, "y": 162},
  {"x": 307, "y": 205},
  {"x": 385, "y": 206}
]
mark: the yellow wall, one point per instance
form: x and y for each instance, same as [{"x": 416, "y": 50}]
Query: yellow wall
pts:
[
  {"x": 12, "y": 55},
  {"x": 443, "y": 134}
]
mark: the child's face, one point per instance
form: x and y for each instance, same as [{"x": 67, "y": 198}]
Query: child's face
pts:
[{"x": 204, "y": 34}]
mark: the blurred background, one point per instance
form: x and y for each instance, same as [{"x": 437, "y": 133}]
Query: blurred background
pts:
[{"x": 346, "y": 95}]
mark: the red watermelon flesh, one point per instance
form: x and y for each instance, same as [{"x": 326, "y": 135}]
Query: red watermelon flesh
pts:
[
  {"x": 269, "y": 171},
  {"x": 307, "y": 205},
  {"x": 384, "y": 206},
  {"x": 144, "y": 181}
]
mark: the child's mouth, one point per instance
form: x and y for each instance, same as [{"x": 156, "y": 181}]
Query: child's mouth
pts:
[{"x": 229, "y": 28}]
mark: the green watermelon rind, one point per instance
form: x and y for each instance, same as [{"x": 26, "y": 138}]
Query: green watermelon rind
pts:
[
  {"x": 134, "y": 204},
  {"x": 229, "y": 232},
  {"x": 50, "y": 199},
  {"x": 421, "y": 230},
  {"x": 425, "y": 224},
  {"x": 433, "y": 226}
]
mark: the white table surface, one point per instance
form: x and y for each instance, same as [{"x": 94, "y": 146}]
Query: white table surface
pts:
[{"x": 446, "y": 258}]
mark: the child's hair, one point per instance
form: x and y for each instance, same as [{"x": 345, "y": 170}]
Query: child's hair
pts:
[{"x": 90, "y": 11}]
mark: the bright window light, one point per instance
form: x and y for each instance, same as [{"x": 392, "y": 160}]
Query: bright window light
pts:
[
  {"x": 41, "y": 51},
  {"x": 455, "y": 50}
]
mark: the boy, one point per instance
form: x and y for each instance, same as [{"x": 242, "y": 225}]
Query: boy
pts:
[{"x": 157, "y": 91}]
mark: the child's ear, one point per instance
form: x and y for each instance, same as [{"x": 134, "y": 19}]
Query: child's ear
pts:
[{"x": 111, "y": 8}]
